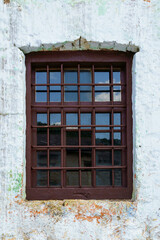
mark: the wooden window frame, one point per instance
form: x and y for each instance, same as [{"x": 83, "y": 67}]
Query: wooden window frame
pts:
[{"x": 72, "y": 59}]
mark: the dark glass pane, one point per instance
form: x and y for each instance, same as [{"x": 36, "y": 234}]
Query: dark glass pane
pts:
[
  {"x": 102, "y": 94},
  {"x": 85, "y": 119},
  {"x": 42, "y": 176},
  {"x": 116, "y": 93},
  {"x": 85, "y": 76},
  {"x": 41, "y": 158},
  {"x": 41, "y": 136},
  {"x": 86, "y": 178},
  {"x": 55, "y": 136},
  {"x": 103, "y": 119},
  {"x": 117, "y": 157},
  {"x": 72, "y": 138},
  {"x": 117, "y": 120},
  {"x": 117, "y": 177},
  {"x": 117, "y": 138},
  {"x": 41, "y": 77},
  {"x": 116, "y": 77},
  {"x": 70, "y": 93},
  {"x": 41, "y": 119},
  {"x": 70, "y": 76},
  {"x": 72, "y": 178},
  {"x": 55, "y": 119},
  {"x": 86, "y": 158},
  {"x": 72, "y": 158},
  {"x": 103, "y": 138},
  {"x": 55, "y": 177},
  {"x": 41, "y": 94},
  {"x": 71, "y": 118},
  {"x": 102, "y": 76},
  {"x": 86, "y": 137},
  {"x": 55, "y": 77},
  {"x": 55, "y": 93},
  {"x": 103, "y": 157},
  {"x": 85, "y": 93},
  {"x": 54, "y": 158},
  {"x": 103, "y": 177}
]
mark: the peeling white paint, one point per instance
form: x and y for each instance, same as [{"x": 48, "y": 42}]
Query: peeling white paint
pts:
[{"x": 32, "y": 24}]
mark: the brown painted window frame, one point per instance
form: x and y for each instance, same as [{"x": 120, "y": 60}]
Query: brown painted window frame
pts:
[{"x": 69, "y": 58}]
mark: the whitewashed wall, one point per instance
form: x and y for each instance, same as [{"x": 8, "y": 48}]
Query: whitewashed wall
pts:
[{"x": 27, "y": 25}]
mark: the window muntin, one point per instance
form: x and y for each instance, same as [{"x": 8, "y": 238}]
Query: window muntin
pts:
[{"x": 81, "y": 141}]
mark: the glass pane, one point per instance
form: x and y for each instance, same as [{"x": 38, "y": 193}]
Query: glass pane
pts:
[
  {"x": 42, "y": 176},
  {"x": 55, "y": 77},
  {"x": 102, "y": 94},
  {"x": 116, "y": 77},
  {"x": 103, "y": 177},
  {"x": 117, "y": 138},
  {"x": 54, "y": 158},
  {"x": 103, "y": 138},
  {"x": 41, "y": 136},
  {"x": 116, "y": 93},
  {"x": 102, "y": 77},
  {"x": 55, "y": 93},
  {"x": 86, "y": 158},
  {"x": 72, "y": 178},
  {"x": 41, "y": 119},
  {"x": 117, "y": 157},
  {"x": 86, "y": 137},
  {"x": 117, "y": 177},
  {"x": 55, "y": 119},
  {"x": 70, "y": 93},
  {"x": 85, "y": 119},
  {"x": 71, "y": 119},
  {"x": 41, "y": 77},
  {"x": 103, "y": 157},
  {"x": 85, "y": 93},
  {"x": 117, "y": 120},
  {"x": 70, "y": 76},
  {"x": 72, "y": 138},
  {"x": 86, "y": 178},
  {"x": 72, "y": 158},
  {"x": 85, "y": 76},
  {"x": 41, "y": 94},
  {"x": 55, "y": 178},
  {"x": 55, "y": 136},
  {"x": 103, "y": 119},
  {"x": 41, "y": 158}
]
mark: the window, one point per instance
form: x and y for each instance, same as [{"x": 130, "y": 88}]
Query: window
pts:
[{"x": 79, "y": 125}]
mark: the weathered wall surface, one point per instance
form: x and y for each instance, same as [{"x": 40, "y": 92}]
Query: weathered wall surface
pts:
[{"x": 38, "y": 24}]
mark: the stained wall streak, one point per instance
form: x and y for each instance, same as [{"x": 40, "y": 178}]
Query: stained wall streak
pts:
[{"x": 49, "y": 25}]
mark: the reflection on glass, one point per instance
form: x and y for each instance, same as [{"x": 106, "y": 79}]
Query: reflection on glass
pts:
[
  {"x": 70, "y": 92},
  {"x": 116, "y": 77},
  {"x": 102, "y": 77},
  {"x": 85, "y": 119},
  {"x": 42, "y": 176},
  {"x": 86, "y": 158},
  {"x": 102, "y": 94},
  {"x": 55, "y": 136},
  {"x": 103, "y": 157},
  {"x": 103, "y": 138},
  {"x": 71, "y": 119},
  {"x": 117, "y": 138},
  {"x": 41, "y": 136},
  {"x": 116, "y": 93},
  {"x": 85, "y": 76},
  {"x": 72, "y": 138},
  {"x": 72, "y": 158},
  {"x": 103, "y": 177},
  {"x": 41, "y": 119},
  {"x": 72, "y": 178},
  {"x": 55, "y": 93},
  {"x": 103, "y": 119},
  {"x": 86, "y": 137},
  {"x": 54, "y": 158},
  {"x": 41, "y": 91},
  {"x": 86, "y": 178},
  {"x": 85, "y": 93},
  {"x": 117, "y": 120},
  {"x": 55, "y": 177},
  {"x": 41, "y": 158},
  {"x": 55, "y": 119},
  {"x": 117, "y": 157},
  {"x": 70, "y": 76},
  {"x": 41, "y": 77},
  {"x": 117, "y": 177},
  {"x": 55, "y": 77}
]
